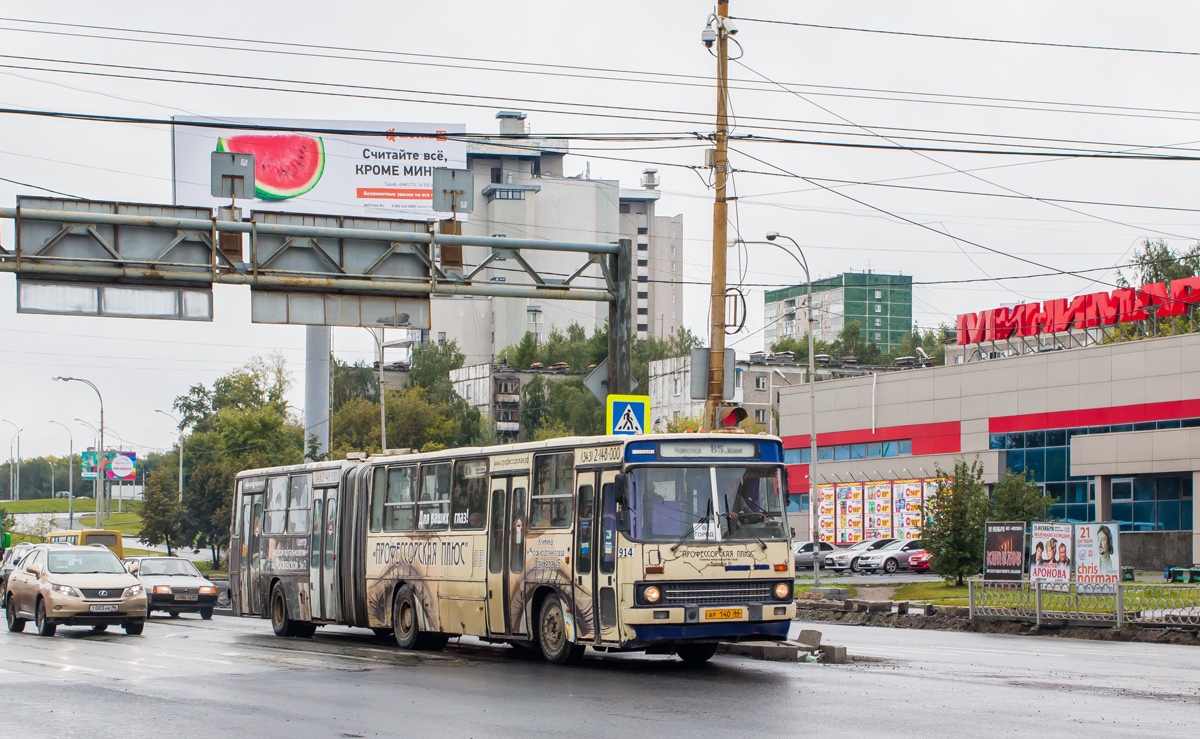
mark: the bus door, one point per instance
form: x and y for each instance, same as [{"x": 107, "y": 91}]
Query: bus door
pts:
[
  {"x": 506, "y": 556},
  {"x": 605, "y": 580},
  {"x": 585, "y": 548},
  {"x": 250, "y": 567},
  {"x": 322, "y": 571}
]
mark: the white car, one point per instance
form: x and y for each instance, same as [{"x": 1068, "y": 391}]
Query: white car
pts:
[
  {"x": 892, "y": 557},
  {"x": 847, "y": 559}
]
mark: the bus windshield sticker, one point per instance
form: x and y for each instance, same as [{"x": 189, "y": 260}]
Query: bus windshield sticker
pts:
[{"x": 707, "y": 450}]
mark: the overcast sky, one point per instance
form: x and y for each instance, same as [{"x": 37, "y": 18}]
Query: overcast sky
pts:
[{"x": 1121, "y": 101}]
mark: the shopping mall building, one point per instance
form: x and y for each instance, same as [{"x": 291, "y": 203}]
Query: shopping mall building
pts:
[{"x": 1111, "y": 430}]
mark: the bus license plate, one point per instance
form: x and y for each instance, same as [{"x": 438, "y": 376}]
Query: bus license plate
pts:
[
  {"x": 185, "y": 597},
  {"x": 104, "y": 608},
  {"x": 715, "y": 614}
]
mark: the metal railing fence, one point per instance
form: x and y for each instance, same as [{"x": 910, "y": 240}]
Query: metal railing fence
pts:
[{"x": 1120, "y": 604}]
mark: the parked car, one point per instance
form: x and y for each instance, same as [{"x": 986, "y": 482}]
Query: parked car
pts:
[
  {"x": 64, "y": 584},
  {"x": 174, "y": 585},
  {"x": 12, "y": 558},
  {"x": 891, "y": 557},
  {"x": 802, "y": 551},
  {"x": 920, "y": 561},
  {"x": 847, "y": 559}
]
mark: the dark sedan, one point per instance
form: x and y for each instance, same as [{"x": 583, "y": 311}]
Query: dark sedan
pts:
[
  {"x": 174, "y": 585},
  {"x": 12, "y": 558}
]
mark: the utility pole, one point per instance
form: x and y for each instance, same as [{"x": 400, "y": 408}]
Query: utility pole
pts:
[{"x": 716, "y": 333}]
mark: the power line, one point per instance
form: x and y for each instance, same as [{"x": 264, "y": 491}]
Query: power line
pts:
[
  {"x": 980, "y": 39},
  {"x": 539, "y": 68},
  {"x": 627, "y": 111}
]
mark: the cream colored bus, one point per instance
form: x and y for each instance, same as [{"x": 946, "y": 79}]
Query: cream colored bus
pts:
[{"x": 663, "y": 543}]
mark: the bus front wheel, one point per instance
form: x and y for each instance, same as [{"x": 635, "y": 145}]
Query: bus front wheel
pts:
[
  {"x": 552, "y": 634},
  {"x": 696, "y": 654}
]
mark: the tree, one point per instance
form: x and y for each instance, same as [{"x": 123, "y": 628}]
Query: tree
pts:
[
  {"x": 954, "y": 519},
  {"x": 351, "y": 381},
  {"x": 1157, "y": 262},
  {"x": 163, "y": 519},
  {"x": 208, "y": 503},
  {"x": 680, "y": 424},
  {"x": 1019, "y": 498}
]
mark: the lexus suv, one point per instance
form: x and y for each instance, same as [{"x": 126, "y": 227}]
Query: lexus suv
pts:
[{"x": 73, "y": 586}]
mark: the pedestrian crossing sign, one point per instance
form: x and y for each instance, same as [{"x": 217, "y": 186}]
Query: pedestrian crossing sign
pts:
[{"x": 627, "y": 414}]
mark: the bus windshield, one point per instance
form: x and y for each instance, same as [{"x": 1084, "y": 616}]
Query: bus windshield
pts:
[{"x": 705, "y": 503}]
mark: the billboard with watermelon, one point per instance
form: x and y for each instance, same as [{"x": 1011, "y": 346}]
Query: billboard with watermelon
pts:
[{"x": 345, "y": 168}]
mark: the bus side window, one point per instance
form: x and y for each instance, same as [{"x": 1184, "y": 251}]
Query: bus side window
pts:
[
  {"x": 553, "y": 482},
  {"x": 496, "y": 539},
  {"x": 299, "y": 498},
  {"x": 583, "y": 546},
  {"x": 400, "y": 499},
  {"x": 378, "y": 496},
  {"x": 277, "y": 490},
  {"x": 433, "y": 511},
  {"x": 608, "y": 530},
  {"x": 468, "y": 499}
]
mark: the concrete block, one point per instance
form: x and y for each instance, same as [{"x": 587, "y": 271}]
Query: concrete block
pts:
[
  {"x": 901, "y": 607},
  {"x": 809, "y": 638},
  {"x": 832, "y": 654},
  {"x": 832, "y": 593},
  {"x": 763, "y": 650}
]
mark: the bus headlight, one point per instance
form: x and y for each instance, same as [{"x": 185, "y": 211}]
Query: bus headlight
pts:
[
  {"x": 651, "y": 595},
  {"x": 783, "y": 590}
]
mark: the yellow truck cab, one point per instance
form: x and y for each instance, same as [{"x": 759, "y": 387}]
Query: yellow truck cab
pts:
[{"x": 83, "y": 537}]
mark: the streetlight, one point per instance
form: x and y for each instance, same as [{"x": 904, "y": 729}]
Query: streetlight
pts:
[
  {"x": 14, "y": 489},
  {"x": 180, "y": 425},
  {"x": 813, "y": 499},
  {"x": 100, "y": 448},
  {"x": 100, "y": 434},
  {"x": 70, "y": 476},
  {"x": 378, "y": 337},
  {"x": 99, "y": 465}
]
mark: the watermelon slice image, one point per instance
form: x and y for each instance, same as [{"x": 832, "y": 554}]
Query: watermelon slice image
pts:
[{"x": 285, "y": 165}]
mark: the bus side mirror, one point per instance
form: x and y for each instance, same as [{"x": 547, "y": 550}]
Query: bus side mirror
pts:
[{"x": 620, "y": 488}]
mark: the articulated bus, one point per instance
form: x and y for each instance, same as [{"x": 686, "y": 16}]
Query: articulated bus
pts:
[{"x": 663, "y": 543}]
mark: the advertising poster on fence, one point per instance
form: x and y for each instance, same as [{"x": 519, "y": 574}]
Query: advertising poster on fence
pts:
[
  {"x": 1051, "y": 553},
  {"x": 906, "y": 506},
  {"x": 1004, "y": 550},
  {"x": 826, "y": 508},
  {"x": 849, "y": 513},
  {"x": 878, "y": 501},
  {"x": 1097, "y": 558}
]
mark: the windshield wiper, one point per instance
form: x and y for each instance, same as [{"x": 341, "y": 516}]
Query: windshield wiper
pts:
[{"x": 707, "y": 517}]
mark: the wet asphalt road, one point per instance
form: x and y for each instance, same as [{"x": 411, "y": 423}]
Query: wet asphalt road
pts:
[{"x": 231, "y": 677}]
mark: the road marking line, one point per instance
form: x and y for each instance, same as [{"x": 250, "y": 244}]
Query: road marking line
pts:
[{"x": 59, "y": 666}]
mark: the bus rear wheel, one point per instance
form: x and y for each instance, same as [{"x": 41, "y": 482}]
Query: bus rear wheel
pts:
[
  {"x": 696, "y": 654},
  {"x": 280, "y": 622},
  {"x": 404, "y": 619},
  {"x": 552, "y": 634}
]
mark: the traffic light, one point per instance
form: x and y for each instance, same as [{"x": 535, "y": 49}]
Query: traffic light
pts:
[{"x": 729, "y": 416}]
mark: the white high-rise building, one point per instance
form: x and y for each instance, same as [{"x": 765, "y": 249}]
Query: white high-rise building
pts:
[{"x": 521, "y": 191}]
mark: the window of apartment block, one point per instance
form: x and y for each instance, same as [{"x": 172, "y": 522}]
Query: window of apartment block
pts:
[
  {"x": 672, "y": 315},
  {"x": 676, "y": 385},
  {"x": 643, "y": 311},
  {"x": 760, "y": 383},
  {"x": 672, "y": 248},
  {"x": 441, "y": 335},
  {"x": 878, "y": 308},
  {"x": 643, "y": 327},
  {"x": 760, "y": 416},
  {"x": 643, "y": 262},
  {"x": 643, "y": 230},
  {"x": 533, "y": 315},
  {"x": 497, "y": 175},
  {"x": 878, "y": 335},
  {"x": 672, "y": 266},
  {"x": 672, "y": 300},
  {"x": 643, "y": 295},
  {"x": 878, "y": 321},
  {"x": 879, "y": 295},
  {"x": 624, "y": 207}
]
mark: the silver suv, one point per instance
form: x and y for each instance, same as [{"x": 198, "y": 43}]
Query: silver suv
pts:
[{"x": 73, "y": 586}]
